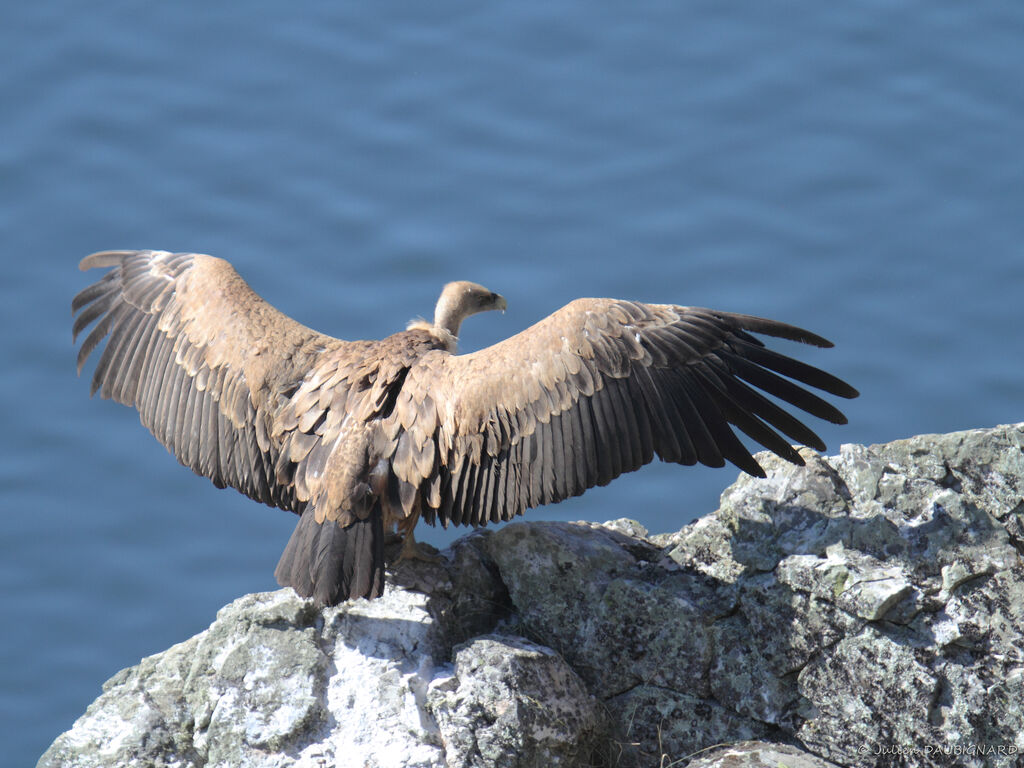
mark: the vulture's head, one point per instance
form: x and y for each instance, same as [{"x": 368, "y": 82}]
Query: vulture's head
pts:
[{"x": 461, "y": 299}]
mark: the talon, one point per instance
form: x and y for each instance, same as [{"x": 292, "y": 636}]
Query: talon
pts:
[{"x": 411, "y": 550}]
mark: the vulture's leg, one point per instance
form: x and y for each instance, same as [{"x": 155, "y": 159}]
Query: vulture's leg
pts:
[{"x": 410, "y": 549}]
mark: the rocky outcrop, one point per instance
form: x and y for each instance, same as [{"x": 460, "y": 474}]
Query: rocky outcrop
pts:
[{"x": 864, "y": 610}]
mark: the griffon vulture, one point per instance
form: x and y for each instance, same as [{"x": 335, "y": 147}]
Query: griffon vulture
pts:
[{"x": 361, "y": 437}]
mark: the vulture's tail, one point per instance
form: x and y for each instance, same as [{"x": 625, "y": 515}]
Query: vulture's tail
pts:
[{"x": 330, "y": 563}]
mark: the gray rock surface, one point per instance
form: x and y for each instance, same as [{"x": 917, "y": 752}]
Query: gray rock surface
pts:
[
  {"x": 526, "y": 704},
  {"x": 864, "y": 610}
]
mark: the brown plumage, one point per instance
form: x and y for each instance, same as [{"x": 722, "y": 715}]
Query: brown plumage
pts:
[{"x": 359, "y": 437}]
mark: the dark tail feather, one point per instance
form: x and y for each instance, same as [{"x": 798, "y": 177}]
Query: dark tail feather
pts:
[{"x": 330, "y": 563}]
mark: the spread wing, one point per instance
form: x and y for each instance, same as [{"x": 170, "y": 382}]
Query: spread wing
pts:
[
  {"x": 210, "y": 366},
  {"x": 594, "y": 390}
]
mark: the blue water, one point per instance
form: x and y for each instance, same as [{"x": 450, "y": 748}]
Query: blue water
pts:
[{"x": 856, "y": 169}]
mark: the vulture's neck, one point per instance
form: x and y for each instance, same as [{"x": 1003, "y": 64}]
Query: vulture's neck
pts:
[{"x": 449, "y": 314}]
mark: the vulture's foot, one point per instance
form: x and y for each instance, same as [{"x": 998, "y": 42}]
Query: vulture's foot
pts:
[{"x": 412, "y": 550}]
